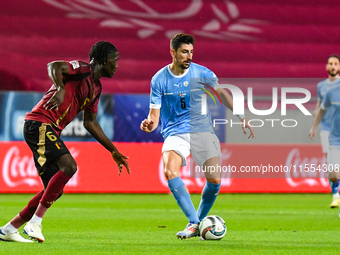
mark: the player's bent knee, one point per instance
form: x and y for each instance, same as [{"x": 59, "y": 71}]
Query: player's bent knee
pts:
[
  {"x": 68, "y": 165},
  {"x": 214, "y": 180},
  {"x": 335, "y": 180},
  {"x": 334, "y": 176},
  {"x": 70, "y": 170},
  {"x": 73, "y": 169},
  {"x": 170, "y": 174}
]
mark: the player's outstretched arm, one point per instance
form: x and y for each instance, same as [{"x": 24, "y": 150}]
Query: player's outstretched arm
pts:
[
  {"x": 56, "y": 70},
  {"x": 320, "y": 114},
  {"x": 151, "y": 123},
  {"x": 91, "y": 124},
  {"x": 227, "y": 100}
]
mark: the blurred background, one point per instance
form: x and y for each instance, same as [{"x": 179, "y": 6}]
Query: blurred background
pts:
[{"x": 269, "y": 43}]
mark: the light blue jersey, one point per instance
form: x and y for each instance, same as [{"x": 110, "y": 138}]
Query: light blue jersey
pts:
[
  {"x": 179, "y": 98},
  {"x": 332, "y": 100},
  {"x": 323, "y": 87}
]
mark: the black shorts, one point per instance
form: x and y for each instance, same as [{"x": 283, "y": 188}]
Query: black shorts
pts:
[{"x": 46, "y": 145}]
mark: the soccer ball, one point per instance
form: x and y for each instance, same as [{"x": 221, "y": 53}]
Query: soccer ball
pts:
[{"x": 212, "y": 227}]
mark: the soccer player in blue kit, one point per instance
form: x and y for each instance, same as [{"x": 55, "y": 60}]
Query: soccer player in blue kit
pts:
[
  {"x": 332, "y": 67},
  {"x": 331, "y": 99},
  {"x": 176, "y": 99}
]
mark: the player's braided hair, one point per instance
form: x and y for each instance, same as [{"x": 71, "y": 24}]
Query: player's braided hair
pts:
[
  {"x": 179, "y": 39},
  {"x": 99, "y": 52}
]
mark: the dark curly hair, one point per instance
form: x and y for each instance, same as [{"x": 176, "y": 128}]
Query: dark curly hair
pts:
[
  {"x": 99, "y": 52},
  {"x": 334, "y": 56},
  {"x": 180, "y": 39}
]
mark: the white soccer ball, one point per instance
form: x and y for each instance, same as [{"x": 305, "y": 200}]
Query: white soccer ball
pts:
[{"x": 212, "y": 227}]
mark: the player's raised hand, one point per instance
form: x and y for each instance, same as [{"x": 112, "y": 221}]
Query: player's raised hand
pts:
[
  {"x": 147, "y": 125},
  {"x": 246, "y": 125},
  {"x": 120, "y": 159},
  {"x": 56, "y": 100}
]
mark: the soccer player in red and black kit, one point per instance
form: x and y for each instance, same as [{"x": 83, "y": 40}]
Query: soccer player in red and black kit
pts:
[{"x": 76, "y": 87}]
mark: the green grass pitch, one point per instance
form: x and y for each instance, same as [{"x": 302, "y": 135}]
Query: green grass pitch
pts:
[{"x": 147, "y": 224}]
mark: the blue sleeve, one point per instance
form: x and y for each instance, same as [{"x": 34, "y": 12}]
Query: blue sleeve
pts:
[
  {"x": 155, "y": 94},
  {"x": 210, "y": 78},
  {"x": 326, "y": 102},
  {"x": 319, "y": 91}
]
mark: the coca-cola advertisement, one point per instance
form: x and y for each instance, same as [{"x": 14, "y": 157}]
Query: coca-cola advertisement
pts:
[{"x": 244, "y": 168}]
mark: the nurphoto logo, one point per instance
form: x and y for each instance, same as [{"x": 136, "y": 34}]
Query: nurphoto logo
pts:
[{"x": 239, "y": 98}]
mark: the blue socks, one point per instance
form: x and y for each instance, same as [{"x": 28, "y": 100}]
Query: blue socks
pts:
[
  {"x": 182, "y": 197},
  {"x": 210, "y": 192},
  {"x": 334, "y": 187}
]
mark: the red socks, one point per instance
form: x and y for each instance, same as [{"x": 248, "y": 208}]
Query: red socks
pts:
[
  {"x": 53, "y": 189},
  {"x": 27, "y": 213},
  {"x": 46, "y": 199}
]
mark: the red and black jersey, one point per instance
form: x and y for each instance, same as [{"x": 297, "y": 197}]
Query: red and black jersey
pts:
[{"x": 82, "y": 93}]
